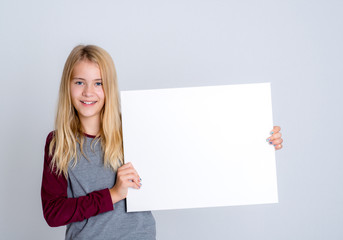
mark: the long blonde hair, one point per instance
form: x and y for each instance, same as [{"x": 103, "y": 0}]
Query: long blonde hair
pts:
[{"x": 68, "y": 132}]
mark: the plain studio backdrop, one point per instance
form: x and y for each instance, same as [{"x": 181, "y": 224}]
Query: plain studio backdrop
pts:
[{"x": 296, "y": 45}]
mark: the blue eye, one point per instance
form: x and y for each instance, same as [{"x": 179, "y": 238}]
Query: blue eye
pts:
[
  {"x": 98, "y": 84},
  {"x": 79, "y": 83}
]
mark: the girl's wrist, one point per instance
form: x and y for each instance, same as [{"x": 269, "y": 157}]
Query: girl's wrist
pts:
[{"x": 114, "y": 195}]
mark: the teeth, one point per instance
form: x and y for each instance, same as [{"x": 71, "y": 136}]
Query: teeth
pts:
[{"x": 87, "y": 102}]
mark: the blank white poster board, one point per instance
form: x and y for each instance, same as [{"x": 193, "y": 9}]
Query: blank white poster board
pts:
[{"x": 200, "y": 146}]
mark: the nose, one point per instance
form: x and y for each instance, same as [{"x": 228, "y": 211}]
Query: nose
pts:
[{"x": 88, "y": 91}]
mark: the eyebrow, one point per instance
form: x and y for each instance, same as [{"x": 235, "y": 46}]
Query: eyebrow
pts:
[{"x": 97, "y": 79}]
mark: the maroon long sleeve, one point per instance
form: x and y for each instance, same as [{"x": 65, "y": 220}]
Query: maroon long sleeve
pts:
[{"x": 60, "y": 210}]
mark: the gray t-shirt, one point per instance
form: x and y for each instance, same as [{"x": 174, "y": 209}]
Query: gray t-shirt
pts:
[{"x": 91, "y": 175}]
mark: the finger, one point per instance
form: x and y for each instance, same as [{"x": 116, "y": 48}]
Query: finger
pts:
[
  {"x": 274, "y": 136},
  {"x": 133, "y": 185},
  {"x": 132, "y": 177},
  {"x": 126, "y": 165},
  {"x": 138, "y": 185},
  {"x": 126, "y": 171},
  {"x": 130, "y": 170},
  {"x": 276, "y": 129},
  {"x": 276, "y": 141},
  {"x": 278, "y": 147}
]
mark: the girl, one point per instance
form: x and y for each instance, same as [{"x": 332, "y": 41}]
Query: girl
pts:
[
  {"x": 85, "y": 180},
  {"x": 84, "y": 153}
]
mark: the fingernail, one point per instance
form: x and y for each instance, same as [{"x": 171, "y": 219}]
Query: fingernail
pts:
[
  {"x": 274, "y": 145},
  {"x": 268, "y": 139},
  {"x": 140, "y": 184},
  {"x": 271, "y": 133},
  {"x": 270, "y": 142},
  {"x": 140, "y": 179}
]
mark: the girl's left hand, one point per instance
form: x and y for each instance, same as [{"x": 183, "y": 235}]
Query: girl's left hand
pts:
[{"x": 275, "y": 138}]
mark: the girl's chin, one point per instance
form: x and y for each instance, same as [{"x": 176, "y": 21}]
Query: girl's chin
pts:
[{"x": 88, "y": 115}]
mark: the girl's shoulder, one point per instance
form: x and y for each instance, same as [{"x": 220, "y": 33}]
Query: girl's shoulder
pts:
[
  {"x": 49, "y": 138},
  {"x": 48, "y": 141}
]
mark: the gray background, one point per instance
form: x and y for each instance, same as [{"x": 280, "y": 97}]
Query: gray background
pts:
[{"x": 296, "y": 45}]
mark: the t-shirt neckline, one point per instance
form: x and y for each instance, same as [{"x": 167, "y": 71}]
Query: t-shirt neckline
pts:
[{"x": 88, "y": 135}]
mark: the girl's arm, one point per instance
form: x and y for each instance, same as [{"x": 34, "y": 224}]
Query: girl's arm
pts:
[{"x": 60, "y": 210}]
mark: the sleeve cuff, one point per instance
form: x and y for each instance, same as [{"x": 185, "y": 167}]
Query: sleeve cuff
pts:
[{"x": 107, "y": 200}]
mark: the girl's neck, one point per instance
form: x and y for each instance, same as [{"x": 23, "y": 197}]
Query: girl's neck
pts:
[{"x": 90, "y": 126}]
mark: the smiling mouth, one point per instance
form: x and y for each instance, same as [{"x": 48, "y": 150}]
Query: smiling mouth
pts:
[{"x": 88, "y": 103}]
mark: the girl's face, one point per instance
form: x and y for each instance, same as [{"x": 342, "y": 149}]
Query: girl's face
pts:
[{"x": 86, "y": 91}]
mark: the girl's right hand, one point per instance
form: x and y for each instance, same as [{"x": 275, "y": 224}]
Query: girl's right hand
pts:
[{"x": 126, "y": 177}]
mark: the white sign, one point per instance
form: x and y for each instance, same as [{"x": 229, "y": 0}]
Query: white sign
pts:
[{"x": 200, "y": 146}]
